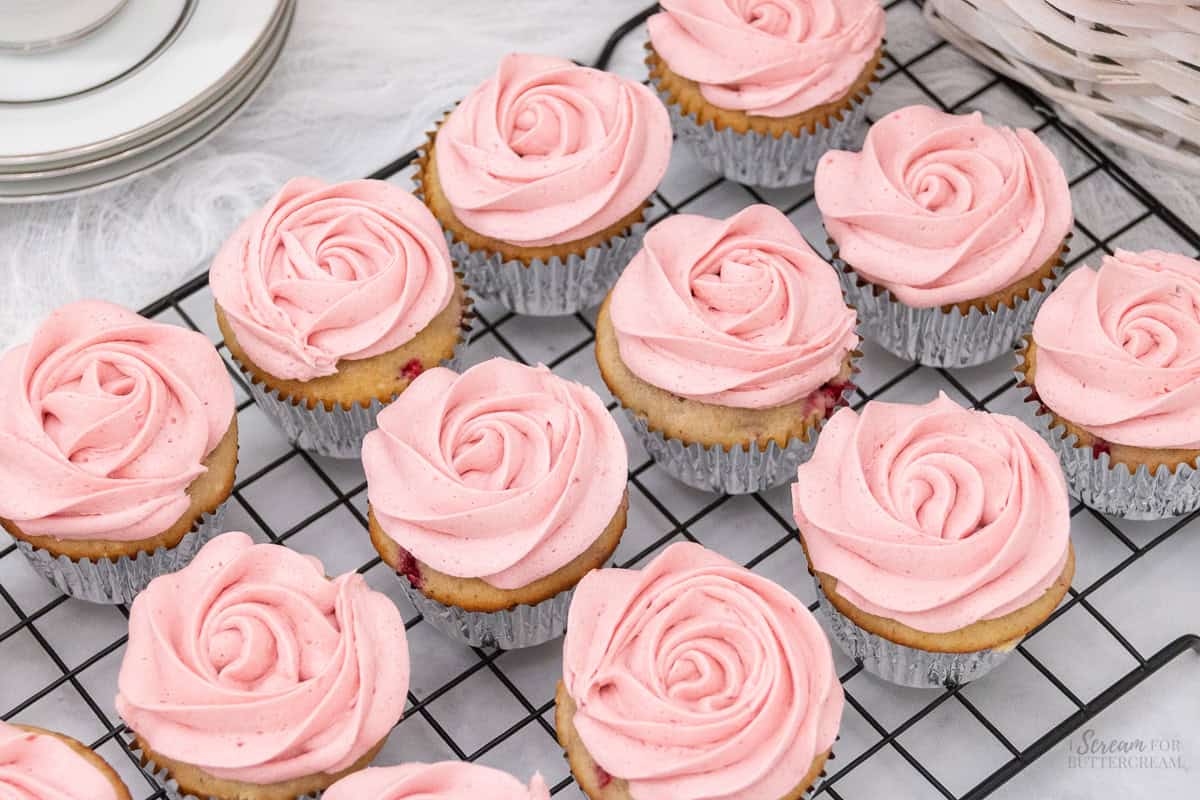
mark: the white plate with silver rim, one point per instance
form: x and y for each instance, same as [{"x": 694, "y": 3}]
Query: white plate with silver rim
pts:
[
  {"x": 129, "y": 39},
  {"x": 219, "y": 42},
  {"x": 106, "y": 172},
  {"x": 29, "y": 25}
]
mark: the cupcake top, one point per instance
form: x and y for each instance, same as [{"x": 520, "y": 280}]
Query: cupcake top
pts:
[
  {"x": 448, "y": 780},
  {"x": 39, "y": 766},
  {"x": 933, "y": 515},
  {"x": 736, "y": 312},
  {"x": 1118, "y": 350},
  {"x": 269, "y": 671},
  {"x": 548, "y": 152},
  {"x": 326, "y": 272},
  {"x": 943, "y": 209},
  {"x": 772, "y": 58},
  {"x": 695, "y": 678},
  {"x": 505, "y": 473},
  {"x": 105, "y": 419}
]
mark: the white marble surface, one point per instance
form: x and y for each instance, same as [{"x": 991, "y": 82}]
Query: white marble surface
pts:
[{"x": 1149, "y": 604}]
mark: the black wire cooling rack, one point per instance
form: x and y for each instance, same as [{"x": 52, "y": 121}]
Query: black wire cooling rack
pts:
[{"x": 458, "y": 694}]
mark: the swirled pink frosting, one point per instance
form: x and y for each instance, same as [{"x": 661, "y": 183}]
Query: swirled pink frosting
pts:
[
  {"x": 772, "y": 58},
  {"x": 695, "y": 679},
  {"x": 548, "y": 152},
  {"x": 326, "y": 272},
  {"x": 933, "y": 515},
  {"x": 38, "y": 767},
  {"x": 105, "y": 419},
  {"x": 448, "y": 780},
  {"x": 505, "y": 473},
  {"x": 1118, "y": 350},
  {"x": 943, "y": 209},
  {"x": 252, "y": 665},
  {"x": 735, "y": 312}
]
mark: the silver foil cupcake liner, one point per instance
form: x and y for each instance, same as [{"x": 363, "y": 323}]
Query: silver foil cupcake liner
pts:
[
  {"x": 116, "y": 582},
  {"x": 517, "y": 627},
  {"x": 738, "y": 470},
  {"x": 938, "y": 338},
  {"x": 905, "y": 666},
  {"x": 547, "y": 288},
  {"x": 171, "y": 788},
  {"x": 761, "y": 159},
  {"x": 1112, "y": 488},
  {"x": 336, "y": 432}
]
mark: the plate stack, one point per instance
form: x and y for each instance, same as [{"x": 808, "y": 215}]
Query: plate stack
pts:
[{"x": 95, "y": 91}]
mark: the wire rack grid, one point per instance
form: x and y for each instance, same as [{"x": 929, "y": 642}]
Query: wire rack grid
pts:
[{"x": 497, "y": 707}]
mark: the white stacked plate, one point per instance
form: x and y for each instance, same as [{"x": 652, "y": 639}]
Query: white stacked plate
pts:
[{"x": 95, "y": 91}]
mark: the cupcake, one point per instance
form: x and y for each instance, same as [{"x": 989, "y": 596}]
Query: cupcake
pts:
[
  {"x": 41, "y": 765},
  {"x": 1113, "y": 369},
  {"x": 331, "y": 299},
  {"x": 938, "y": 537},
  {"x": 695, "y": 679},
  {"x": 948, "y": 233},
  {"x": 118, "y": 446},
  {"x": 492, "y": 493},
  {"x": 270, "y": 682},
  {"x": 728, "y": 342},
  {"x": 449, "y": 780},
  {"x": 541, "y": 178},
  {"x": 760, "y": 91}
]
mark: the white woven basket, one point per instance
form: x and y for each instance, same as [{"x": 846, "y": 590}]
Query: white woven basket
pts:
[{"x": 1127, "y": 69}]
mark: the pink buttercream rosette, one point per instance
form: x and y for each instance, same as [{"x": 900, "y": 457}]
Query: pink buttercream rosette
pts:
[
  {"x": 505, "y": 473},
  {"x": 107, "y": 419},
  {"x": 448, "y": 780},
  {"x": 937, "y": 517},
  {"x": 935, "y": 222},
  {"x": 768, "y": 59},
  {"x": 40, "y": 766},
  {"x": 323, "y": 274},
  {"x": 738, "y": 313},
  {"x": 695, "y": 678},
  {"x": 1118, "y": 355},
  {"x": 269, "y": 672},
  {"x": 546, "y": 154}
]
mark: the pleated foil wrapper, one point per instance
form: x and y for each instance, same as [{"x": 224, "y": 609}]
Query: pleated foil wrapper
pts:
[
  {"x": 547, "y": 288},
  {"x": 905, "y": 666},
  {"x": 939, "y": 338},
  {"x": 760, "y": 159},
  {"x": 738, "y": 470},
  {"x": 116, "y": 582},
  {"x": 171, "y": 788},
  {"x": 521, "y": 626},
  {"x": 1112, "y": 488},
  {"x": 337, "y": 433}
]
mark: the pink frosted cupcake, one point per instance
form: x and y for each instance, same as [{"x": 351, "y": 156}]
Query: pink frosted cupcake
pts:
[
  {"x": 331, "y": 299},
  {"x": 118, "y": 448},
  {"x": 938, "y": 536},
  {"x": 948, "y": 233},
  {"x": 268, "y": 682},
  {"x": 448, "y": 780},
  {"x": 41, "y": 765},
  {"x": 541, "y": 178},
  {"x": 1114, "y": 369},
  {"x": 492, "y": 494},
  {"x": 695, "y": 679},
  {"x": 761, "y": 90},
  {"x": 728, "y": 343}
]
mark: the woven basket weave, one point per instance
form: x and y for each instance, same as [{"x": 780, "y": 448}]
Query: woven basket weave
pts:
[{"x": 1127, "y": 69}]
